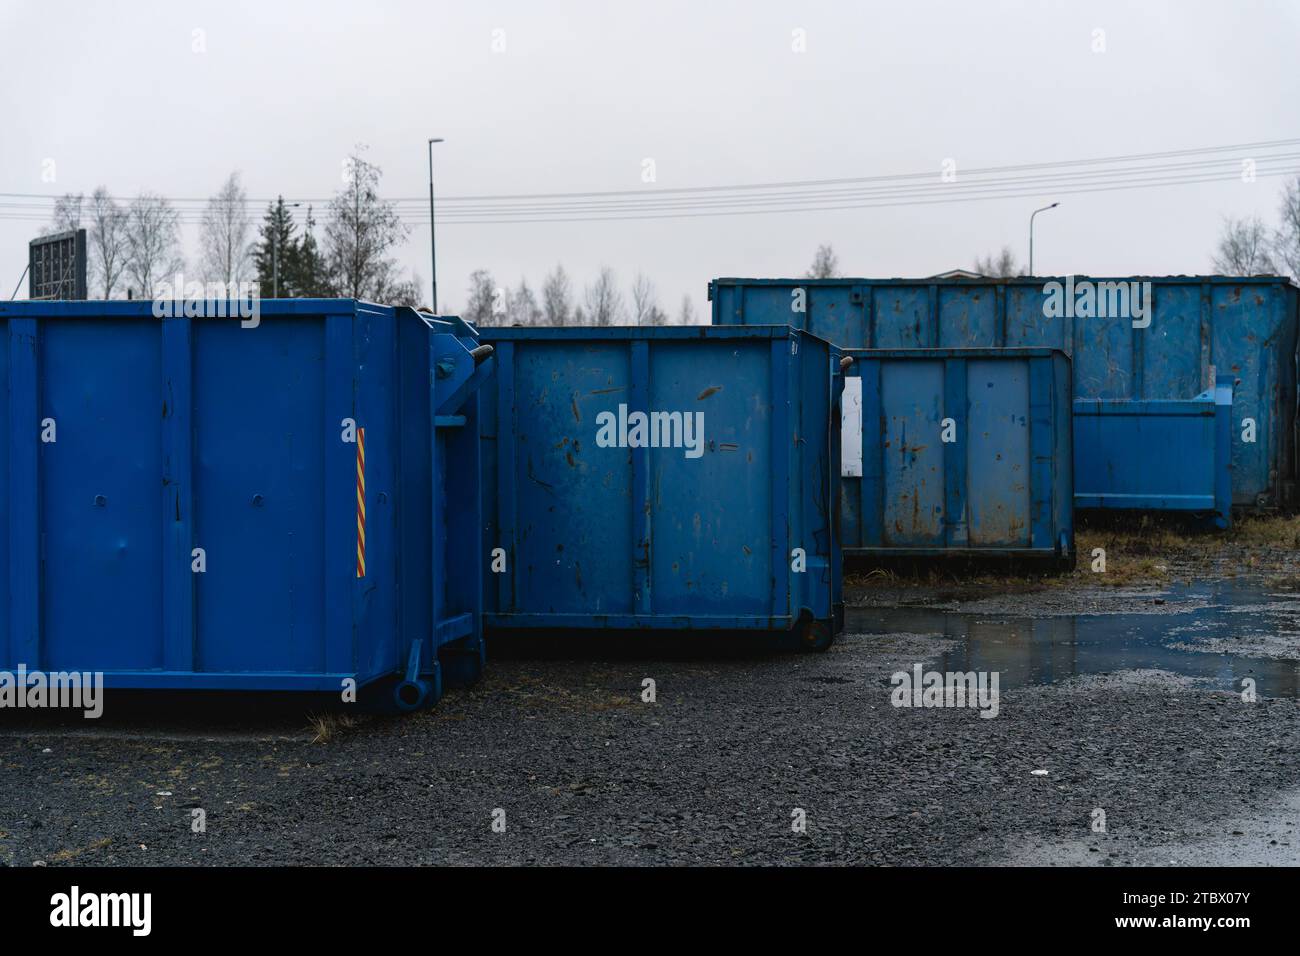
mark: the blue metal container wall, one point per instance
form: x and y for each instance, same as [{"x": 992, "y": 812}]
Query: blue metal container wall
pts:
[
  {"x": 1164, "y": 455},
  {"x": 1201, "y": 327},
  {"x": 181, "y": 433},
  {"x": 1001, "y": 486},
  {"x": 636, "y": 537}
]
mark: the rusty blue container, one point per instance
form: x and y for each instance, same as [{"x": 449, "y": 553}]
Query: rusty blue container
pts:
[
  {"x": 957, "y": 453},
  {"x": 1194, "y": 330},
  {"x": 662, "y": 479},
  {"x": 282, "y": 504}
]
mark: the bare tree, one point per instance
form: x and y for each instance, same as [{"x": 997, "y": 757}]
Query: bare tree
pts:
[
  {"x": 224, "y": 236},
  {"x": 1243, "y": 248},
  {"x": 557, "y": 298},
  {"x": 522, "y": 308},
  {"x": 359, "y": 232},
  {"x": 1002, "y": 266},
  {"x": 687, "y": 314},
  {"x": 825, "y": 264},
  {"x": 107, "y": 242},
  {"x": 152, "y": 243},
  {"x": 392, "y": 289},
  {"x": 604, "y": 301},
  {"x": 482, "y": 298},
  {"x": 1286, "y": 238},
  {"x": 408, "y": 292},
  {"x": 643, "y": 300},
  {"x": 67, "y": 214},
  {"x": 106, "y": 235}
]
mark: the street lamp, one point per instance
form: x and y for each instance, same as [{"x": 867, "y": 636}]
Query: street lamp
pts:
[
  {"x": 1031, "y": 233},
  {"x": 275, "y": 253},
  {"x": 433, "y": 251}
]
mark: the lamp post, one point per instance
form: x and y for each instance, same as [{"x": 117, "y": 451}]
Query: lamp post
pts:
[
  {"x": 1031, "y": 233},
  {"x": 275, "y": 252},
  {"x": 433, "y": 249}
]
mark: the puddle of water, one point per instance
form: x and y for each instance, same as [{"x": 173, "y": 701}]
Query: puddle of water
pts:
[{"x": 1232, "y": 631}]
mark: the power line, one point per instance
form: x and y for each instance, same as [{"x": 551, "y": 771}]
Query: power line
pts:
[
  {"x": 891, "y": 177},
  {"x": 878, "y": 202},
  {"x": 790, "y": 184},
  {"x": 1038, "y": 183},
  {"x": 864, "y": 205},
  {"x": 1062, "y": 177}
]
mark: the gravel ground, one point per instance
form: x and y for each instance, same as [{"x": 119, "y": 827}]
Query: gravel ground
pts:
[
  {"x": 711, "y": 773},
  {"x": 1266, "y": 834}
]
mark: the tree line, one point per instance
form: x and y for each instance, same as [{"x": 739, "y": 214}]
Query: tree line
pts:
[
  {"x": 1250, "y": 246},
  {"x": 134, "y": 247},
  {"x": 559, "y": 303}
]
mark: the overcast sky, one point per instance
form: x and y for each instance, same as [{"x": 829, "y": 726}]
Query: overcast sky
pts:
[{"x": 714, "y": 92}]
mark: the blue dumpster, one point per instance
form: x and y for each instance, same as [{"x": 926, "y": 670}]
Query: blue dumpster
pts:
[
  {"x": 957, "y": 453},
  {"x": 1132, "y": 338},
  {"x": 662, "y": 478},
  {"x": 1157, "y": 455},
  {"x": 289, "y": 504}
]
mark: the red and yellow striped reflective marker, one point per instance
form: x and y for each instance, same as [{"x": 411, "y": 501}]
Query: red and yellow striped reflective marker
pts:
[{"x": 361, "y": 502}]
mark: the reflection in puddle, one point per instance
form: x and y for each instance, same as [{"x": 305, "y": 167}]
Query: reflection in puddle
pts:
[{"x": 1232, "y": 631}]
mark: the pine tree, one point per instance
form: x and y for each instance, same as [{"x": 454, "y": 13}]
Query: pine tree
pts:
[
  {"x": 277, "y": 240},
  {"x": 310, "y": 278}
]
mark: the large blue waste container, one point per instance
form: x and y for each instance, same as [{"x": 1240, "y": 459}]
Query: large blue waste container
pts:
[
  {"x": 957, "y": 453},
  {"x": 208, "y": 503},
  {"x": 1195, "y": 331},
  {"x": 662, "y": 478},
  {"x": 1156, "y": 455}
]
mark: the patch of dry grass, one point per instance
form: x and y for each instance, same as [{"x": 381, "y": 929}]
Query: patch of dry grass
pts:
[
  {"x": 327, "y": 726},
  {"x": 1148, "y": 549},
  {"x": 533, "y": 693},
  {"x": 1152, "y": 548},
  {"x": 65, "y": 856},
  {"x": 1272, "y": 531},
  {"x": 1127, "y": 560}
]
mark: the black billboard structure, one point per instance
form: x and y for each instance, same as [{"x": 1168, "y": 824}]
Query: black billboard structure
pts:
[{"x": 57, "y": 266}]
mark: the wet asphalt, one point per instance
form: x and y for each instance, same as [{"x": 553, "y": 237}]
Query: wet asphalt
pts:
[{"x": 556, "y": 758}]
